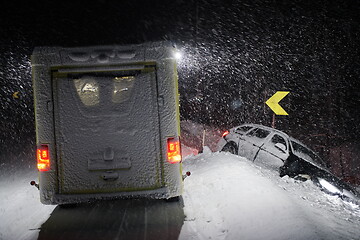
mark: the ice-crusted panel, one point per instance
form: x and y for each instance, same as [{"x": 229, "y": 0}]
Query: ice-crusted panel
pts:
[
  {"x": 169, "y": 117},
  {"x": 110, "y": 137},
  {"x": 44, "y": 120},
  {"x": 102, "y": 55},
  {"x": 97, "y": 141}
]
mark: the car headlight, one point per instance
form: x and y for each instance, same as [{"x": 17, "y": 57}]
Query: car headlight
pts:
[{"x": 329, "y": 187}]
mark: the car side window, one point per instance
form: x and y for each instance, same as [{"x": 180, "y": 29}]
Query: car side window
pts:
[
  {"x": 278, "y": 139},
  {"x": 243, "y": 129},
  {"x": 259, "y": 133},
  {"x": 252, "y": 132}
]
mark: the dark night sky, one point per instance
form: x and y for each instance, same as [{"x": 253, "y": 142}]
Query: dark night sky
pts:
[
  {"x": 73, "y": 23},
  {"x": 237, "y": 54}
]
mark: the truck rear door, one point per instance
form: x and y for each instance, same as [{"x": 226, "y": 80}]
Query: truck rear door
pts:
[{"x": 107, "y": 130}]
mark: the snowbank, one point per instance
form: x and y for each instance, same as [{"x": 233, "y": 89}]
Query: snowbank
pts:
[
  {"x": 228, "y": 197},
  {"x": 21, "y": 213}
]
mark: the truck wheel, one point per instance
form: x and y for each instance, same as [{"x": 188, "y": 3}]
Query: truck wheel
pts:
[{"x": 230, "y": 147}]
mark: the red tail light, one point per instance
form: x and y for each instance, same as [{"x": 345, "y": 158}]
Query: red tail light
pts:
[
  {"x": 225, "y": 133},
  {"x": 173, "y": 150},
  {"x": 43, "y": 158}
]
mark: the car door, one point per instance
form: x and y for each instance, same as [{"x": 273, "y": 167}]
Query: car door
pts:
[
  {"x": 251, "y": 142},
  {"x": 274, "y": 151},
  {"x": 238, "y": 137}
]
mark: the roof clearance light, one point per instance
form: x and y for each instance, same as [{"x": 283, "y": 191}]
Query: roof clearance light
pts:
[
  {"x": 173, "y": 150},
  {"x": 225, "y": 133},
  {"x": 43, "y": 159},
  {"x": 178, "y": 55}
]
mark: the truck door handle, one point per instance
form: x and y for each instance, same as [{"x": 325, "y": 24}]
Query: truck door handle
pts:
[{"x": 110, "y": 176}]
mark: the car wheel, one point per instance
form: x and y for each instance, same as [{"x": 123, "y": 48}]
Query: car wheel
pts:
[{"x": 230, "y": 147}]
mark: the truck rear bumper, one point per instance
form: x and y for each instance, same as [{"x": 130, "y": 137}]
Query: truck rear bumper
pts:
[{"x": 160, "y": 193}]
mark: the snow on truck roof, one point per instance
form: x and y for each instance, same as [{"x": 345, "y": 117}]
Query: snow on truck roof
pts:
[{"x": 104, "y": 54}]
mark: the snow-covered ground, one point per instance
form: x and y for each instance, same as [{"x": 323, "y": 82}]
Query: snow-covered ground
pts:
[
  {"x": 226, "y": 197},
  {"x": 21, "y": 213}
]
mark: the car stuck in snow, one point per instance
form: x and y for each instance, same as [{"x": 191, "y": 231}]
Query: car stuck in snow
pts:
[{"x": 274, "y": 149}]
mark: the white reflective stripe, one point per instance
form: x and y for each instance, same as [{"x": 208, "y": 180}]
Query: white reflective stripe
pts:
[{"x": 329, "y": 186}]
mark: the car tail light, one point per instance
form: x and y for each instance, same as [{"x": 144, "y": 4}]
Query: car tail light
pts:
[
  {"x": 225, "y": 133},
  {"x": 43, "y": 158},
  {"x": 173, "y": 150}
]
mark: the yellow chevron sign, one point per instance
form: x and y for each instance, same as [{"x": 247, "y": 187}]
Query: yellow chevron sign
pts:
[
  {"x": 15, "y": 95},
  {"x": 273, "y": 102}
]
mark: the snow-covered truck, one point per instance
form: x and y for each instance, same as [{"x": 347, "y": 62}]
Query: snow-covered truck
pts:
[{"x": 107, "y": 122}]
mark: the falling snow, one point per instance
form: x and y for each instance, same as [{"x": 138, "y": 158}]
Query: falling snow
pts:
[{"x": 234, "y": 56}]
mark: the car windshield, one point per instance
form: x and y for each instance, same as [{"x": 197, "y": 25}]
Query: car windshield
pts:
[{"x": 305, "y": 153}]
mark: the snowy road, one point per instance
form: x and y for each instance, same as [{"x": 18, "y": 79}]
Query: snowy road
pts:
[
  {"x": 22, "y": 216},
  {"x": 121, "y": 219},
  {"x": 226, "y": 197}
]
